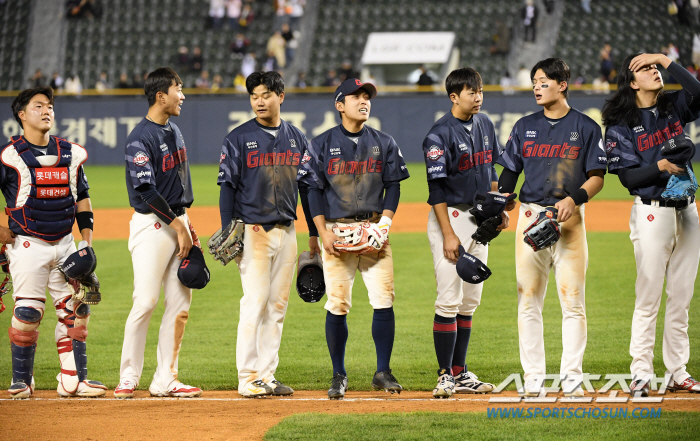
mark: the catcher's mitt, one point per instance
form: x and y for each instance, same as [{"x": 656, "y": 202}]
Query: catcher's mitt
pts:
[
  {"x": 487, "y": 230},
  {"x": 544, "y": 231},
  {"x": 79, "y": 271},
  {"x": 360, "y": 239},
  {"x": 85, "y": 289},
  {"x": 681, "y": 187},
  {"x": 226, "y": 244}
]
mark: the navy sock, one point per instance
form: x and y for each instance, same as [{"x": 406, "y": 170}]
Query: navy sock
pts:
[
  {"x": 383, "y": 326},
  {"x": 336, "y": 338},
  {"x": 464, "y": 331},
  {"x": 444, "y": 336}
]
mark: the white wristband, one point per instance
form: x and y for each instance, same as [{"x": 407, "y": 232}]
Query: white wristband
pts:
[{"x": 385, "y": 220}]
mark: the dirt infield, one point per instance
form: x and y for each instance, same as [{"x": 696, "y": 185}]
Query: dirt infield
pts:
[
  {"x": 410, "y": 217},
  {"x": 220, "y": 415}
]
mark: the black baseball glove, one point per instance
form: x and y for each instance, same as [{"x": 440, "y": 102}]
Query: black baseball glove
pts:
[
  {"x": 544, "y": 231},
  {"x": 487, "y": 229}
]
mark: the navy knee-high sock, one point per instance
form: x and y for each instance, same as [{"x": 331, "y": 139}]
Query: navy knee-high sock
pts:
[
  {"x": 444, "y": 335},
  {"x": 336, "y": 338},
  {"x": 464, "y": 331},
  {"x": 383, "y": 326}
]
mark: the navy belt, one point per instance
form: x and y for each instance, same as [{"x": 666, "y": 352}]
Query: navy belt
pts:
[
  {"x": 678, "y": 205},
  {"x": 361, "y": 217}
]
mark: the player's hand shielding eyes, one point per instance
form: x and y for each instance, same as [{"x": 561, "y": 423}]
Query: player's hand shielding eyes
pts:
[{"x": 643, "y": 60}]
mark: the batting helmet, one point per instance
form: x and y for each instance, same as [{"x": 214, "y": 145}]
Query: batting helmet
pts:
[
  {"x": 310, "y": 283},
  {"x": 80, "y": 264}
]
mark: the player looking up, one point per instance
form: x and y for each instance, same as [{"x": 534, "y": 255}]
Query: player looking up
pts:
[
  {"x": 642, "y": 123},
  {"x": 353, "y": 173},
  {"x": 160, "y": 190},
  {"x": 560, "y": 150}
]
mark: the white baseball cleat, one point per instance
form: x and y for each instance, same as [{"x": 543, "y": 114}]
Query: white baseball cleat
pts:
[
  {"x": 253, "y": 389},
  {"x": 572, "y": 387},
  {"x": 445, "y": 385},
  {"x": 176, "y": 390},
  {"x": 86, "y": 389},
  {"x": 125, "y": 389},
  {"x": 20, "y": 391},
  {"x": 532, "y": 388},
  {"x": 468, "y": 383}
]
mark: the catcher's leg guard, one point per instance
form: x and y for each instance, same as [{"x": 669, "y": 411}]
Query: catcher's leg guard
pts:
[
  {"x": 68, "y": 379},
  {"x": 79, "y": 334},
  {"x": 23, "y": 337}
]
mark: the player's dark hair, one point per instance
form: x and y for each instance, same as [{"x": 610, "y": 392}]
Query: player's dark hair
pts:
[
  {"x": 462, "y": 78},
  {"x": 160, "y": 80},
  {"x": 20, "y": 103},
  {"x": 554, "y": 69},
  {"x": 621, "y": 108},
  {"x": 271, "y": 79}
]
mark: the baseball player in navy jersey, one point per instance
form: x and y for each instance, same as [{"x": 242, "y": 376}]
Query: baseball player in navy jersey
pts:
[
  {"x": 45, "y": 189},
  {"x": 460, "y": 153},
  {"x": 642, "y": 121},
  {"x": 353, "y": 172},
  {"x": 160, "y": 190},
  {"x": 560, "y": 150},
  {"x": 257, "y": 175}
]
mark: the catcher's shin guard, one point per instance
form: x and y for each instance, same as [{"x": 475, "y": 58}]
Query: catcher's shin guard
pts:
[
  {"x": 22, "y": 363},
  {"x": 72, "y": 349},
  {"x": 79, "y": 334},
  {"x": 23, "y": 337}
]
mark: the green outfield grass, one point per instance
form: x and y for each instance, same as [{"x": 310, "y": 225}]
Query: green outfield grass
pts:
[
  {"x": 108, "y": 188},
  {"x": 674, "y": 426},
  {"x": 208, "y": 351}
]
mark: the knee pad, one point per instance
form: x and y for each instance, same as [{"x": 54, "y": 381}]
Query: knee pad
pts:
[
  {"x": 82, "y": 315},
  {"x": 26, "y": 318}
]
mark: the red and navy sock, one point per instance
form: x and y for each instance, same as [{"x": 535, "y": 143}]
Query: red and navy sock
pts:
[
  {"x": 464, "y": 331},
  {"x": 336, "y": 338},
  {"x": 444, "y": 336},
  {"x": 383, "y": 329}
]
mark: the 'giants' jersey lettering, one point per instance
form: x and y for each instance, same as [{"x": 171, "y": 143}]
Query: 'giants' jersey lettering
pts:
[
  {"x": 258, "y": 159},
  {"x": 336, "y": 166},
  {"x": 176, "y": 158},
  {"x": 479, "y": 158},
  {"x": 647, "y": 141},
  {"x": 530, "y": 149}
]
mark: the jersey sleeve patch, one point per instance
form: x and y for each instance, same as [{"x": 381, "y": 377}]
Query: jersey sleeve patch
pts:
[
  {"x": 140, "y": 159},
  {"x": 434, "y": 153}
]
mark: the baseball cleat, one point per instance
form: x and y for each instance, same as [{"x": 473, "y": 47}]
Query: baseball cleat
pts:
[
  {"x": 20, "y": 391},
  {"x": 178, "y": 390},
  {"x": 86, "y": 389},
  {"x": 125, "y": 389},
  {"x": 532, "y": 388},
  {"x": 386, "y": 380},
  {"x": 445, "y": 385},
  {"x": 339, "y": 384},
  {"x": 279, "y": 389},
  {"x": 257, "y": 388},
  {"x": 639, "y": 388},
  {"x": 688, "y": 384},
  {"x": 468, "y": 383},
  {"x": 572, "y": 388}
]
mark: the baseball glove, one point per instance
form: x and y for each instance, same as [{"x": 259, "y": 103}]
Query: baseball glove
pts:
[
  {"x": 226, "y": 244},
  {"x": 487, "y": 230},
  {"x": 544, "y": 231},
  {"x": 84, "y": 289},
  {"x": 360, "y": 239},
  {"x": 681, "y": 187}
]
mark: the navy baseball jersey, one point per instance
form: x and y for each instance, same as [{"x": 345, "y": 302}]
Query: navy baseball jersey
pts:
[
  {"x": 352, "y": 176},
  {"x": 157, "y": 155},
  {"x": 555, "y": 154},
  {"x": 464, "y": 158},
  {"x": 630, "y": 147},
  {"x": 262, "y": 169}
]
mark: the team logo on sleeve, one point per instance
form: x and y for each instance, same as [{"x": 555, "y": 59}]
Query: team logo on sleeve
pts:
[
  {"x": 531, "y": 133},
  {"x": 140, "y": 159},
  {"x": 609, "y": 146},
  {"x": 306, "y": 158},
  {"x": 221, "y": 159},
  {"x": 434, "y": 153},
  {"x": 574, "y": 136}
]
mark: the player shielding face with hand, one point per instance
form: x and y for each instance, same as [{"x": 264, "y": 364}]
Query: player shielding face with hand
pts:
[
  {"x": 46, "y": 192},
  {"x": 560, "y": 150},
  {"x": 460, "y": 153},
  {"x": 648, "y": 148},
  {"x": 257, "y": 175},
  {"x": 352, "y": 172},
  {"x": 160, "y": 191}
]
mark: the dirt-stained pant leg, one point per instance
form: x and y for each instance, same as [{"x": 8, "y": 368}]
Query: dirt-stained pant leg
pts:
[
  {"x": 377, "y": 270},
  {"x": 453, "y": 294},
  {"x": 339, "y": 275}
]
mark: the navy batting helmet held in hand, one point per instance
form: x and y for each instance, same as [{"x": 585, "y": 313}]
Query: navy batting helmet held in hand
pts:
[
  {"x": 471, "y": 269},
  {"x": 311, "y": 285},
  {"x": 193, "y": 271},
  {"x": 80, "y": 264}
]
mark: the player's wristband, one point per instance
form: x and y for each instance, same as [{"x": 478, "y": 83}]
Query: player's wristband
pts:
[
  {"x": 84, "y": 219},
  {"x": 385, "y": 220},
  {"x": 580, "y": 196}
]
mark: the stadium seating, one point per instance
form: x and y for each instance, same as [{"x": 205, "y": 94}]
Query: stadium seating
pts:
[
  {"x": 135, "y": 36},
  {"x": 343, "y": 27},
  {"x": 639, "y": 26},
  {"x": 14, "y": 23}
]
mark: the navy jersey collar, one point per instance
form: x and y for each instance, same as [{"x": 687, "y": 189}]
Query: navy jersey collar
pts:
[{"x": 348, "y": 133}]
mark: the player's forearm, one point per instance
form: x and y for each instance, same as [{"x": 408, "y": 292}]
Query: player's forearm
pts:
[
  {"x": 593, "y": 185},
  {"x": 320, "y": 222},
  {"x": 304, "y": 196},
  {"x": 157, "y": 203},
  {"x": 85, "y": 219},
  {"x": 685, "y": 79},
  {"x": 226, "y": 198},
  {"x": 443, "y": 219},
  {"x": 392, "y": 193},
  {"x": 508, "y": 181}
]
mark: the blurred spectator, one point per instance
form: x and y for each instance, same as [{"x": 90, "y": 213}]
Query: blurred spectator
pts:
[
  {"x": 248, "y": 65},
  {"x": 346, "y": 71},
  {"x": 683, "y": 10},
  {"x": 83, "y": 9},
  {"x": 549, "y": 6},
  {"x": 247, "y": 15},
  {"x": 182, "y": 60},
  {"x": 101, "y": 84},
  {"x": 331, "y": 79},
  {"x": 217, "y": 83},
  {"x": 276, "y": 46},
  {"x": 271, "y": 63},
  {"x": 601, "y": 85},
  {"x": 523, "y": 77},
  {"x": 233, "y": 13},
  {"x": 73, "y": 85},
  {"x": 296, "y": 12},
  {"x": 137, "y": 82},
  {"x": 586, "y": 6},
  {"x": 56, "y": 82},
  {"x": 281, "y": 13},
  {"x": 301, "y": 80},
  {"x": 38, "y": 79},
  {"x": 239, "y": 82},
  {"x": 606, "y": 62},
  {"x": 501, "y": 39},
  {"x": 529, "y": 16},
  {"x": 290, "y": 43},
  {"x": 197, "y": 61},
  {"x": 425, "y": 79},
  {"x": 507, "y": 83},
  {"x": 671, "y": 52},
  {"x": 217, "y": 10},
  {"x": 581, "y": 78},
  {"x": 123, "y": 81},
  {"x": 202, "y": 82},
  {"x": 239, "y": 46}
]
